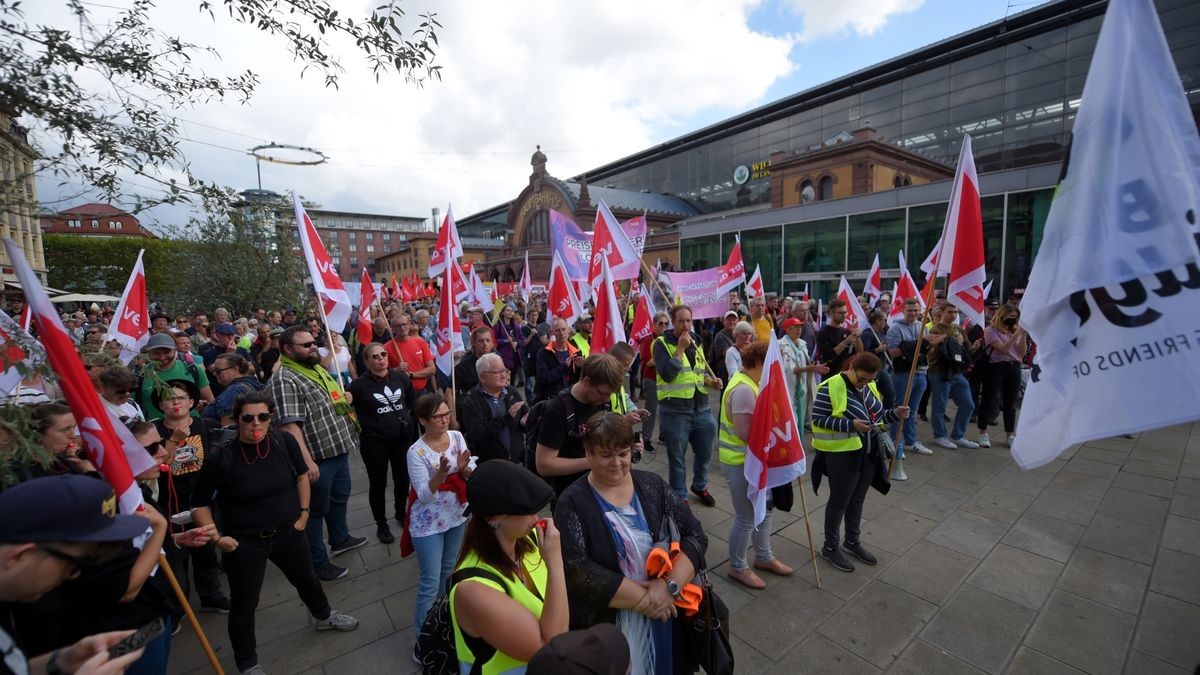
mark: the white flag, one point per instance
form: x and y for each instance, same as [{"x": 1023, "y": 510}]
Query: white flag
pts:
[{"x": 1112, "y": 296}]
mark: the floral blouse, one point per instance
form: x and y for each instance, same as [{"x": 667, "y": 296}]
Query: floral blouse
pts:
[{"x": 434, "y": 512}]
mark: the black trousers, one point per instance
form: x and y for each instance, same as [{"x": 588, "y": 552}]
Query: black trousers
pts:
[
  {"x": 246, "y": 567},
  {"x": 205, "y": 566},
  {"x": 377, "y": 455},
  {"x": 849, "y": 475},
  {"x": 1001, "y": 385}
]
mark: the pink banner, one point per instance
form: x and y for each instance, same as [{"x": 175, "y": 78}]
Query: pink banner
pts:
[{"x": 699, "y": 290}]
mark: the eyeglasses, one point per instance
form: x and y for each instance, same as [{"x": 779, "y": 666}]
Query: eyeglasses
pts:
[
  {"x": 176, "y": 399},
  {"x": 305, "y": 345},
  {"x": 381, "y": 356},
  {"x": 250, "y": 417},
  {"x": 77, "y": 563},
  {"x": 440, "y": 416},
  {"x": 218, "y": 371}
]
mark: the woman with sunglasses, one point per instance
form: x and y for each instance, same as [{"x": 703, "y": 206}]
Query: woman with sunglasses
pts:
[
  {"x": 119, "y": 384},
  {"x": 235, "y": 374},
  {"x": 188, "y": 442},
  {"x": 438, "y": 465},
  {"x": 383, "y": 400},
  {"x": 259, "y": 481},
  {"x": 845, "y": 418}
]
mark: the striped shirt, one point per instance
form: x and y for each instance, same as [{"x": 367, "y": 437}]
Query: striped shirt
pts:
[{"x": 859, "y": 406}]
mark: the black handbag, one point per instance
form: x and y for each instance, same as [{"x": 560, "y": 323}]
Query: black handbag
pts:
[{"x": 706, "y": 633}]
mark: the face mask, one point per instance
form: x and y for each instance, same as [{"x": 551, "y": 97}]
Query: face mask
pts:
[{"x": 1010, "y": 321}]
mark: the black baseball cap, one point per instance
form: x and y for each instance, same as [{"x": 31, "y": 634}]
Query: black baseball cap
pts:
[
  {"x": 502, "y": 488},
  {"x": 599, "y": 650},
  {"x": 67, "y": 508}
]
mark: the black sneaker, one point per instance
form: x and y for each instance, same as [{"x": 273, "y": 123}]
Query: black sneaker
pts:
[
  {"x": 384, "y": 533},
  {"x": 835, "y": 558},
  {"x": 704, "y": 497},
  {"x": 220, "y": 605},
  {"x": 329, "y": 572},
  {"x": 350, "y": 544},
  {"x": 860, "y": 552}
]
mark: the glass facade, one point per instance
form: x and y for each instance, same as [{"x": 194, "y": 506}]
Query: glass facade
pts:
[
  {"x": 817, "y": 252},
  {"x": 1017, "y": 100}
]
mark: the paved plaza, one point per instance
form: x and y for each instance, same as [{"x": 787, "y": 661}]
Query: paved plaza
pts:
[{"x": 1090, "y": 564}]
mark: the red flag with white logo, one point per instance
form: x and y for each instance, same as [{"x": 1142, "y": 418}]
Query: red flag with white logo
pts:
[
  {"x": 365, "y": 332},
  {"x": 610, "y": 242},
  {"x": 856, "y": 318},
  {"x": 874, "y": 286},
  {"x": 449, "y": 326},
  {"x": 754, "y": 287},
  {"x": 562, "y": 303},
  {"x": 775, "y": 454},
  {"x": 906, "y": 287},
  {"x": 116, "y": 455},
  {"x": 643, "y": 319},
  {"x": 447, "y": 241},
  {"x": 960, "y": 256},
  {"x": 131, "y": 323},
  {"x": 733, "y": 273},
  {"x": 609, "y": 327},
  {"x": 328, "y": 285}
]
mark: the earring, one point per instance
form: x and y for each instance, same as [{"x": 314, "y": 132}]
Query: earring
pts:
[{"x": 495, "y": 525}]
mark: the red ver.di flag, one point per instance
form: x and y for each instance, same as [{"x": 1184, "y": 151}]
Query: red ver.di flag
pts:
[
  {"x": 775, "y": 455},
  {"x": 108, "y": 450},
  {"x": 449, "y": 327},
  {"x": 733, "y": 274},
  {"x": 448, "y": 246},
  {"x": 328, "y": 285},
  {"x": 609, "y": 328},
  {"x": 131, "y": 325},
  {"x": 856, "y": 318},
  {"x": 365, "y": 330},
  {"x": 960, "y": 251}
]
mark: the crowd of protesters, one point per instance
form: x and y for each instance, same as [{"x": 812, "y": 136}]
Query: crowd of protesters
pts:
[{"x": 253, "y": 422}]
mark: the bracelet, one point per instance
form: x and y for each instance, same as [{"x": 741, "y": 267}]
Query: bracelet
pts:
[{"x": 305, "y": 509}]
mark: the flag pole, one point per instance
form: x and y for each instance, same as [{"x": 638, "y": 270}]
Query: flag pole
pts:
[
  {"x": 191, "y": 614},
  {"x": 912, "y": 369},
  {"x": 808, "y": 528},
  {"x": 329, "y": 338}
]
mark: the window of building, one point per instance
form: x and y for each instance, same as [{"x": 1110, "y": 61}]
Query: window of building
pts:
[
  {"x": 370, "y": 262},
  {"x": 1027, "y": 213},
  {"x": 815, "y": 246},
  {"x": 371, "y": 248},
  {"x": 878, "y": 232},
  {"x": 74, "y": 223},
  {"x": 700, "y": 252},
  {"x": 114, "y": 225},
  {"x": 387, "y": 237},
  {"x": 354, "y": 263},
  {"x": 825, "y": 188},
  {"x": 353, "y": 246},
  {"x": 761, "y": 247},
  {"x": 95, "y": 224},
  {"x": 806, "y": 191}
]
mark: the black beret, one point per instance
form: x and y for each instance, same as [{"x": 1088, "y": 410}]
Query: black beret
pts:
[{"x": 501, "y": 488}]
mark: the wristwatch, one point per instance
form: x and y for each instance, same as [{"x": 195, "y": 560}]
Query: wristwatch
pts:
[{"x": 673, "y": 588}]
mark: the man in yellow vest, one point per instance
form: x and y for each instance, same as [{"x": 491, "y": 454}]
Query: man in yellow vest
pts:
[
  {"x": 682, "y": 382},
  {"x": 583, "y": 335},
  {"x": 848, "y": 406}
]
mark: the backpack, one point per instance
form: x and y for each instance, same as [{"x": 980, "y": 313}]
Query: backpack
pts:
[
  {"x": 533, "y": 426},
  {"x": 435, "y": 647}
]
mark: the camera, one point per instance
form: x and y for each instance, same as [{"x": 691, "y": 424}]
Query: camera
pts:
[{"x": 637, "y": 454}]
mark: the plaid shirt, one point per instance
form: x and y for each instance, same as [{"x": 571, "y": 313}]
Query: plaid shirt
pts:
[{"x": 299, "y": 399}]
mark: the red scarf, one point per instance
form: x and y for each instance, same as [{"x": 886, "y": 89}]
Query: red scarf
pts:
[{"x": 453, "y": 483}]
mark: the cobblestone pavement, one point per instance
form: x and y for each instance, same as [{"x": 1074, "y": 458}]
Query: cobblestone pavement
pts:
[{"x": 1090, "y": 564}]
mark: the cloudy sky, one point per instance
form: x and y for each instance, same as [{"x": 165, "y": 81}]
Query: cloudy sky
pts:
[{"x": 589, "y": 80}]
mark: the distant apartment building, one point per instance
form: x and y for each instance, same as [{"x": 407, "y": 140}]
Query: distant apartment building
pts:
[
  {"x": 95, "y": 220},
  {"x": 18, "y": 199}
]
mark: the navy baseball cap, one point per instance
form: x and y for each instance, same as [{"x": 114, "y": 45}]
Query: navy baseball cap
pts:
[
  {"x": 65, "y": 508},
  {"x": 226, "y": 329}
]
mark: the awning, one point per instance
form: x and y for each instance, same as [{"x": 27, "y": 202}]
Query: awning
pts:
[{"x": 84, "y": 297}]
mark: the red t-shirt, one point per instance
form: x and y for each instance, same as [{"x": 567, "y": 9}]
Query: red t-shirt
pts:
[{"x": 415, "y": 352}]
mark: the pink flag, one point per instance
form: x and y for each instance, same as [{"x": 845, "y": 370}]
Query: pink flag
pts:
[
  {"x": 131, "y": 323},
  {"x": 447, "y": 240},
  {"x": 874, "y": 286},
  {"x": 961, "y": 252},
  {"x": 561, "y": 301},
  {"x": 856, "y": 319},
  {"x": 733, "y": 274},
  {"x": 449, "y": 327},
  {"x": 609, "y": 328},
  {"x": 330, "y": 292},
  {"x": 108, "y": 450},
  {"x": 526, "y": 281},
  {"x": 609, "y": 242},
  {"x": 754, "y": 287},
  {"x": 365, "y": 332},
  {"x": 775, "y": 454}
]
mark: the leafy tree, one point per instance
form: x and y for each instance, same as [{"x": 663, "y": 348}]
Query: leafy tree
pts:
[
  {"x": 99, "y": 95},
  {"x": 102, "y": 264}
]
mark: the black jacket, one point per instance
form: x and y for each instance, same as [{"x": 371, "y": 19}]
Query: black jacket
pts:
[
  {"x": 552, "y": 376},
  {"x": 590, "y": 554},
  {"x": 384, "y": 406},
  {"x": 482, "y": 430},
  {"x": 465, "y": 375}
]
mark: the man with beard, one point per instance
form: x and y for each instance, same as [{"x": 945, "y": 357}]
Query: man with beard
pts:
[{"x": 312, "y": 408}]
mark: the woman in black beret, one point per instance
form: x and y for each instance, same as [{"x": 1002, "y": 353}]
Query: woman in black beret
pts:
[{"x": 511, "y": 597}]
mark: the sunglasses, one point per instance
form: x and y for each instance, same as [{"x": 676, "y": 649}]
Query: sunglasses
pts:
[
  {"x": 380, "y": 356},
  {"x": 250, "y": 417},
  {"x": 305, "y": 345},
  {"x": 153, "y": 447}
]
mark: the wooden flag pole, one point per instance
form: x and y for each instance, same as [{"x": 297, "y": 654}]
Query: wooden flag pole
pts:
[
  {"x": 191, "y": 614},
  {"x": 808, "y": 528},
  {"x": 912, "y": 372}
]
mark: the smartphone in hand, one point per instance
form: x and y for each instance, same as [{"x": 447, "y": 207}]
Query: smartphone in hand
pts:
[{"x": 139, "y": 639}]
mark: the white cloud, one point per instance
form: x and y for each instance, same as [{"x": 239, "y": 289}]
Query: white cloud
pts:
[
  {"x": 591, "y": 81},
  {"x": 863, "y": 17}
]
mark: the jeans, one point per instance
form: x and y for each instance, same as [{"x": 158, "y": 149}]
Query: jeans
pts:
[
  {"x": 679, "y": 427},
  {"x": 1001, "y": 385},
  {"x": 650, "y": 393},
  {"x": 378, "y": 454},
  {"x": 742, "y": 531},
  {"x": 849, "y": 476},
  {"x": 246, "y": 567},
  {"x": 329, "y": 496},
  {"x": 954, "y": 386},
  {"x": 899, "y": 384},
  {"x": 436, "y": 555}
]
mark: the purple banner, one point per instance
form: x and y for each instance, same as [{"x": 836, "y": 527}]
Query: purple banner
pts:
[{"x": 575, "y": 246}]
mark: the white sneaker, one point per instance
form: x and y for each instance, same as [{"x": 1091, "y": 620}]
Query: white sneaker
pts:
[
  {"x": 964, "y": 443},
  {"x": 1011, "y": 438},
  {"x": 944, "y": 442},
  {"x": 921, "y": 449},
  {"x": 984, "y": 441},
  {"x": 337, "y": 621}
]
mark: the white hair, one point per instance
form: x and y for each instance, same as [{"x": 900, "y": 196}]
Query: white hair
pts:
[
  {"x": 743, "y": 327},
  {"x": 486, "y": 362}
]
